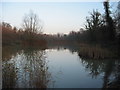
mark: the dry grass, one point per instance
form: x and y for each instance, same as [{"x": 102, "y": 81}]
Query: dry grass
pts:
[{"x": 95, "y": 52}]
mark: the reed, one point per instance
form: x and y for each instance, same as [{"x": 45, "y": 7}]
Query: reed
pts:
[{"x": 95, "y": 52}]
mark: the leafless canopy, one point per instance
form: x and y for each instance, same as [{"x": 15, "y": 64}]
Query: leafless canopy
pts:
[{"x": 32, "y": 24}]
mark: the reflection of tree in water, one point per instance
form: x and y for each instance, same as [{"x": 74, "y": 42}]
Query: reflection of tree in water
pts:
[
  {"x": 108, "y": 70},
  {"x": 9, "y": 52},
  {"x": 93, "y": 66},
  {"x": 71, "y": 47},
  {"x": 115, "y": 83},
  {"x": 8, "y": 75},
  {"x": 8, "y": 67},
  {"x": 31, "y": 70},
  {"x": 36, "y": 67},
  {"x": 105, "y": 67}
]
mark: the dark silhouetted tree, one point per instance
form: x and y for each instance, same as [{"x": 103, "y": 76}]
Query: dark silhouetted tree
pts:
[
  {"x": 109, "y": 21},
  {"x": 118, "y": 15},
  {"x": 93, "y": 23}
]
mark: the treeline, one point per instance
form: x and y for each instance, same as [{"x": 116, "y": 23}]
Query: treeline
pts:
[
  {"x": 9, "y": 35},
  {"x": 99, "y": 28},
  {"x": 26, "y": 36},
  {"x": 13, "y": 36}
]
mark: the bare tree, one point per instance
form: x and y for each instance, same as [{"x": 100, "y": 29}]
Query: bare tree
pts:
[{"x": 32, "y": 24}]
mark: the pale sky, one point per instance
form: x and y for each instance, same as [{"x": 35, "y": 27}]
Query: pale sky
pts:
[{"x": 58, "y": 17}]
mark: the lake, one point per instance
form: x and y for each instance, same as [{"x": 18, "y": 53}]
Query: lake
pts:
[{"x": 55, "y": 67}]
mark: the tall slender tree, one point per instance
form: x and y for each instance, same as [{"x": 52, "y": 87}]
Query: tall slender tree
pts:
[
  {"x": 109, "y": 21},
  {"x": 118, "y": 17}
]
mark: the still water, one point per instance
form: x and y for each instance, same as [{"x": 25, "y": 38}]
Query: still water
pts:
[{"x": 57, "y": 67}]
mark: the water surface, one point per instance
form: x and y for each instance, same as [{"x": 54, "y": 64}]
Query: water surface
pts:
[{"x": 54, "y": 68}]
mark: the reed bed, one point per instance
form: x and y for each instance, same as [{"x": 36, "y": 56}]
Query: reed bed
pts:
[{"x": 95, "y": 52}]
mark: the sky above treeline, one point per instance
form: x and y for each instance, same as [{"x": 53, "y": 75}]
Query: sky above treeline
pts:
[{"x": 58, "y": 17}]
